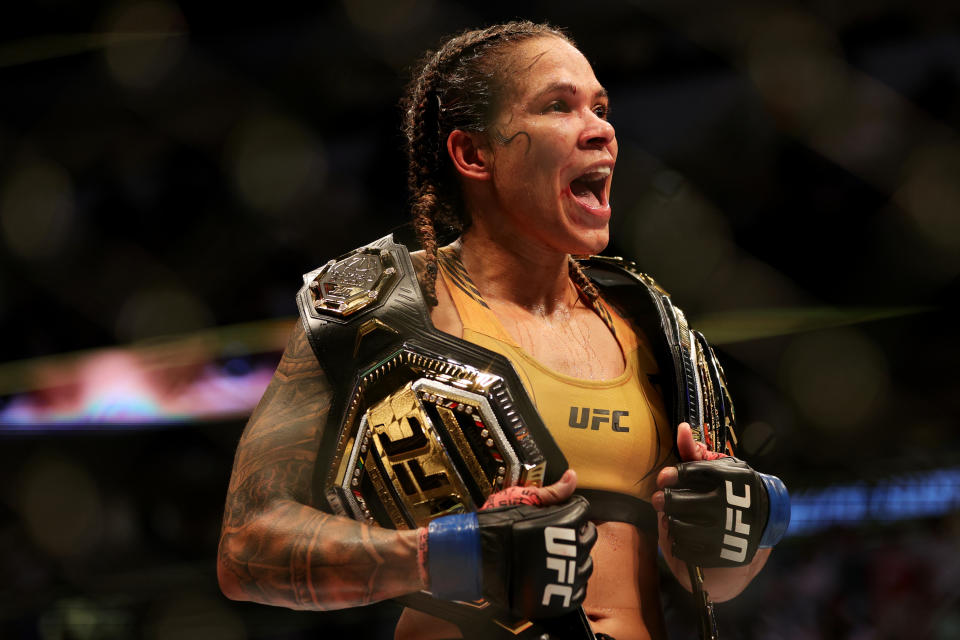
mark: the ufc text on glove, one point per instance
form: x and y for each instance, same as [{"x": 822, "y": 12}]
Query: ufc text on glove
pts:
[
  {"x": 533, "y": 560},
  {"x": 721, "y": 511}
]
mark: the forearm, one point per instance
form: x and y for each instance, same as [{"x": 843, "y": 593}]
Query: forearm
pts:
[
  {"x": 295, "y": 556},
  {"x": 273, "y": 548}
]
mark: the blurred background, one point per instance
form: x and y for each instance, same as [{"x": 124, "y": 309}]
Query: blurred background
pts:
[{"x": 790, "y": 172}]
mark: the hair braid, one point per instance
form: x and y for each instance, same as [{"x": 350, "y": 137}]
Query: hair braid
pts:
[
  {"x": 583, "y": 283},
  {"x": 458, "y": 86},
  {"x": 424, "y": 207}
]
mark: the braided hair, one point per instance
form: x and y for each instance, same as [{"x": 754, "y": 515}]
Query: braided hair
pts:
[{"x": 458, "y": 86}]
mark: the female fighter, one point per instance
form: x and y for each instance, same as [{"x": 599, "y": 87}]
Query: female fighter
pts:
[{"x": 512, "y": 152}]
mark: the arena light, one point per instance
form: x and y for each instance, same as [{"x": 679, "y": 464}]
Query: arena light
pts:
[
  {"x": 208, "y": 375},
  {"x": 917, "y": 495}
]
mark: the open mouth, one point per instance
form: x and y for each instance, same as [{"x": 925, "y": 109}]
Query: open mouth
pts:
[{"x": 589, "y": 188}]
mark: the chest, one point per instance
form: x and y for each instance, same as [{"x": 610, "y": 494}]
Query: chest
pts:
[
  {"x": 578, "y": 344},
  {"x": 613, "y": 432}
]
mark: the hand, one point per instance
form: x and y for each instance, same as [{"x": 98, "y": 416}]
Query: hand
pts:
[
  {"x": 555, "y": 493},
  {"x": 690, "y": 451},
  {"x": 528, "y": 550},
  {"x": 715, "y": 510}
]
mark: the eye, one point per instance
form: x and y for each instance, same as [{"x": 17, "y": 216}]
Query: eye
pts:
[
  {"x": 602, "y": 111},
  {"x": 557, "y": 106}
]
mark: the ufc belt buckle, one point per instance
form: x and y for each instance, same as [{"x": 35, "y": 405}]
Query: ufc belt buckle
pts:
[
  {"x": 426, "y": 437},
  {"x": 436, "y": 438}
]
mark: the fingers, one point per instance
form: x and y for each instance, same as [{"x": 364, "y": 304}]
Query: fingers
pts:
[
  {"x": 687, "y": 504},
  {"x": 657, "y": 500},
  {"x": 692, "y": 506},
  {"x": 667, "y": 477},
  {"x": 512, "y": 496},
  {"x": 703, "y": 475},
  {"x": 687, "y": 541},
  {"x": 688, "y": 447},
  {"x": 588, "y": 536},
  {"x": 559, "y": 491},
  {"x": 584, "y": 571},
  {"x": 679, "y": 539},
  {"x": 689, "y": 450}
]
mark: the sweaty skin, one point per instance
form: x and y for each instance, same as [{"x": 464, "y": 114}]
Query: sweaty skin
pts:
[
  {"x": 525, "y": 222},
  {"x": 529, "y": 212},
  {"x": 623, "y": 598}
]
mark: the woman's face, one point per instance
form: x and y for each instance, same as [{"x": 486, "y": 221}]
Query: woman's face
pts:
[{"x": 552, "y": 180}]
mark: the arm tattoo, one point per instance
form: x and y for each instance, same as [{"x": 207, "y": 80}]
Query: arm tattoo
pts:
[{"x": 276, "y": 549}]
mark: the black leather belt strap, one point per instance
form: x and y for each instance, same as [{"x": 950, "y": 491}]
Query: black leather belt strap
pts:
[{"x": 617, "y": 507}]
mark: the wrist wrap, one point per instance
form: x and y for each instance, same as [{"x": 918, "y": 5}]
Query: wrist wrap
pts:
[
  {"x": 779, "y": 518},
  {"x": 454, "y": 557}
]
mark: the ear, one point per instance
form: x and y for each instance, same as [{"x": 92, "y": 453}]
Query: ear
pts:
[{"x": 470, "y": 154}]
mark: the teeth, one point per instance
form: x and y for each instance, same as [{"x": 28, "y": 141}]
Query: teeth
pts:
[{"x": 596, "y": 174}]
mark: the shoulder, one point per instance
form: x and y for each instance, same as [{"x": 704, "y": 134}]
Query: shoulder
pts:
[
  {"x": 622, "y": 284},
  {"x": 611, "y": 271},
  {"x": 419, "y": 259},
  {"x": 444, "y": 316},
  {"x": 347, "y": 289},
  {"x": 677, "y": 347}
]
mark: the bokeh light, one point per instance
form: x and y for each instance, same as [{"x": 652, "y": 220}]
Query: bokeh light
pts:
[
  {"x": 145, "y": 41},
  {"x": 273, "y": 161},
  {"x": 758, "y": 438},
  {"x": 679, "y": 234},
  {"x": 37, "y": 210},
  {"x": 84, "y": 618},
  {"x": 115, "y": 388},
  {"x": 838, "y": 378},
  {"x": 163, "y": 310},
  {"x": 209, "y": 374},
  {"x": 60, "y": 505},
  {"x": 792, "y": 169},
  {"x": 930, "y": 195},
  {"x": 387, "y": 17},
  {"x": 795, "y": 64},
  {"x": 194, "y": 616},
  {"x": 744, "y": 323}
]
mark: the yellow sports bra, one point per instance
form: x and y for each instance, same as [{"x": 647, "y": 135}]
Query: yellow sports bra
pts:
[{"x": 614, "y": 432}]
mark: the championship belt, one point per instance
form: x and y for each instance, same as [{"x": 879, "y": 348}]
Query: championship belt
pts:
[
  {"x": 423, "y": 424},
  {"x": 699, "y": 394}
]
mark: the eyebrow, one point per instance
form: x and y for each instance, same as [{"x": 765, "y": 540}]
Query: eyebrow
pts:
[{"x": 568, "y": 87}]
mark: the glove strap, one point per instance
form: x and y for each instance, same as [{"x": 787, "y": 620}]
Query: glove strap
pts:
[
  {"x": 454, "y": 557},
  {"x": 779, "y": 517}
]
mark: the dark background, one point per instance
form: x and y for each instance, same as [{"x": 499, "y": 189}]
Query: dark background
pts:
[{"x": 789, "y": 171}]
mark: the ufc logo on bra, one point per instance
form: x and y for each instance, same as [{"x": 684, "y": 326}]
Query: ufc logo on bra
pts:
[
  {"x": 560, "y": 541},
  {"x": 735, "y": 546},
  {"x": 580, "y": 418}
]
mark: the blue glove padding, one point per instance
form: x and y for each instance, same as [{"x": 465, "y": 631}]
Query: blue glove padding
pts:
[
  {"x": 779, "y": 518},
  {"x": 532, "y": 560}
]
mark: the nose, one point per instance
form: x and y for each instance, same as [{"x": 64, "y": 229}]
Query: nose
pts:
[{"x": 597, "y": 133}]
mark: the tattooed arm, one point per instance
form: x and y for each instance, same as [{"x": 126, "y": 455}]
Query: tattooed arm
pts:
[{"x": 274, "y": 548}]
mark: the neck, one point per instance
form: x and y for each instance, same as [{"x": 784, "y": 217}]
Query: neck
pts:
[{"x": 506, "y": 269}]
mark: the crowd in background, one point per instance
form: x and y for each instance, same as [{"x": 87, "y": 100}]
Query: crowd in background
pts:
[{"x": 168, "y": 170}]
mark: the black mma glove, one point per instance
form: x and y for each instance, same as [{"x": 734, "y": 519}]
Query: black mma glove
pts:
[
  {"x": 721, "y": 511},
  {"x": 532, "y": 560}
]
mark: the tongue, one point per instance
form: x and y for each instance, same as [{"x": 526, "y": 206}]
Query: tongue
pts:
[{"x": 584, "y": 194}]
